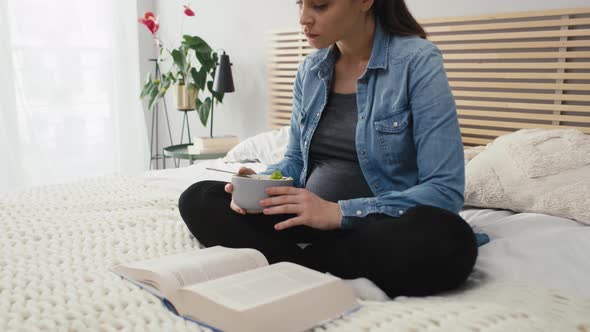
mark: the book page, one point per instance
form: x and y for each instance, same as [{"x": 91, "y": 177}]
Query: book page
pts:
[
  {"x": 176, "y": 271},
  {"x": 264, "y": 285}
]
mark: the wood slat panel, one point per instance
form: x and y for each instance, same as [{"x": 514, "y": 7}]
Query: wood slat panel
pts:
[
  {"x": 281, "y": 100},
  {"x": 282, "y": 87},
  {"x": 284, "y": 73},
  {"x": 280, "y": 66},
  {"x": 525, "y": 116},
  {"x": 513, "y": 45},
  {"x": 484, "y": 132},
  {"x": 520, "y": 76},
  {"x": 510, "y": 35},
  {"x": 507, "y": 71},
  {"x": 288, "y": 51},
  {"x": 457, "y": 74},
  {"x": 516, "y": 55},
  {"x": 476, "y": 141},
  {"x": 519, "y": 86},
  {"x": 283, "y": 59},
  {"x": 525, "y": 106},
  {"x": 281, "y": 115},
  {"x": 508, "y": 26},
  {"x": 299, "y": 42},
  {"x": 517, "y": 95},
  {"x": 277, "y": 93},
  {"x": 282, "y": 80},
  {"x": 516, "y": 125},
  {"x": 294, "y": 35},
  {"x": 281, "y": 122},
  {"x": 280, "y": 107},
  {"x": 506, "y": 16},
  {"x": 519, "y": 65}
]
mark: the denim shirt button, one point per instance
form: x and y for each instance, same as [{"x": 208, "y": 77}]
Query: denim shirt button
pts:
[
  {"x": 359, "y": 212},
  {"x": 396, "y": 124},
  {"x": 305, "y": 143},
  {"x": 401, "y": 212},
  {"x": 317, "y": 115},
  {"x": 363, "y": 151},
  {"x": 362, "y": 117}
]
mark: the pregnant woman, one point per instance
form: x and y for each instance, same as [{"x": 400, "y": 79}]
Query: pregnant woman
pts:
[{"x": 376, "y": 156}]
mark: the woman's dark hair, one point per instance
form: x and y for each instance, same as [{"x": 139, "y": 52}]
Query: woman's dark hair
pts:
[{"x": 396, "y": 18}]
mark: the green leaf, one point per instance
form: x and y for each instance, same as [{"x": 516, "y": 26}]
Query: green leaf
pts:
[
  {"x": 171, "y": 77},
  {"x": 179, "y": 60},
  {"x": 202, "y": 50},
  {"x": 155, "y": 86},
  {"x": 201, "y": 78},
  {"x": 167, "y": 84},
  {"x": 197, "y": 44},
  {"x": 153, "y": 97},
  {"x": 148, "y": 78},
  {"x": 195, "y": 77},
  {"x": 161, "y": 92},
  {"x": 204, "y": 109},
  {"x": 147, "y": 86}
]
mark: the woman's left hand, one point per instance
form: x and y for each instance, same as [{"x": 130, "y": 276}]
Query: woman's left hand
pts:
[{"x": 310, "y": 209}]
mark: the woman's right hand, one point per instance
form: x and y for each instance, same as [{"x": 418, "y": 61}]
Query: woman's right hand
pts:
[{"x": 229, "y": 188}]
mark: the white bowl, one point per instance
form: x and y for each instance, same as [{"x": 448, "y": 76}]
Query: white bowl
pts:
[{"x": 250, "y": 189}]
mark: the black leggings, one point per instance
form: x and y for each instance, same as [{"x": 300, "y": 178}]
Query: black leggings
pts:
[{"x": 425, "y": 251}]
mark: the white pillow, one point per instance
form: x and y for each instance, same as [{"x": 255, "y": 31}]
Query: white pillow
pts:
[
  {"x": 471, "y": 151},
  {"x": 533, "y": 170},
  {"x": 268, "y": 148}
]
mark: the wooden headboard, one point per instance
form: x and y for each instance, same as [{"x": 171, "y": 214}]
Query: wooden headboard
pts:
[{"x": 507, "y": 71}]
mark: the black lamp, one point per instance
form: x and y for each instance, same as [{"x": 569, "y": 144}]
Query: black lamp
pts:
[{"x": 223, "y": 81}]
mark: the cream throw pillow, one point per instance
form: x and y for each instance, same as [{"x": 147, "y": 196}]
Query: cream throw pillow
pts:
[
  {"x": 268, "y": 148},
  {"x": 533, "y": 170}
]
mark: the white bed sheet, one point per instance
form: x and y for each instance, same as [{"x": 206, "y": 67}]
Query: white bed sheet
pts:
[
  {"x": 525, "y": 247},
  {"x": 536, "y": 248},
  {"x": 59, "y": 242}
]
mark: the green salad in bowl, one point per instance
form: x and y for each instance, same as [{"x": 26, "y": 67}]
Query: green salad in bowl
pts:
[{"x": 276, "y": 175}]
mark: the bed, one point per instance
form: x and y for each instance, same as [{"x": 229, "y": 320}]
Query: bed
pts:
[{"x": 508, "y": 72}]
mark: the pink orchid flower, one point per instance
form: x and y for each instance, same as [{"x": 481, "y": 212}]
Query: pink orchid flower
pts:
[
  {"x": 188, "y": 11},
  {"x": 150, "y": 21}
]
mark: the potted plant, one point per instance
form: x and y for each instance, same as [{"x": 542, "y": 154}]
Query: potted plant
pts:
[{"x": 191, "y": 71}]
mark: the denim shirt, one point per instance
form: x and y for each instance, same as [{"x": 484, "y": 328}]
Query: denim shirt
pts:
[{"x": 407, "y": 137}]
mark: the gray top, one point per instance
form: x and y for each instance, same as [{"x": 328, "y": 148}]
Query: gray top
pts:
[{"x": 335, "y": 173}]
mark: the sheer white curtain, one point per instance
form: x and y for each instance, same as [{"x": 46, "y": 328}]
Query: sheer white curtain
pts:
[{"x": 69, "y": 85}]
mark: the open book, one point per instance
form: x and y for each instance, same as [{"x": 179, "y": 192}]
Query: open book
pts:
[{"x": 236, "y": 290}]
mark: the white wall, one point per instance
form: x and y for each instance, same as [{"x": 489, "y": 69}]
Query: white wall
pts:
[{"x": 240, "y": 27}]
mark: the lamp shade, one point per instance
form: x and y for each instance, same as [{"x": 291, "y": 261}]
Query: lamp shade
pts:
[{"x": 223, "y": 81}]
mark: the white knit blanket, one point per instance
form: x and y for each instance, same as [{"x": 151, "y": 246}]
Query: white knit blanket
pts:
[{"x": 58, "y": 242}]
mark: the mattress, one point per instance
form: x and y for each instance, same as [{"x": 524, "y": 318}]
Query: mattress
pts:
[{"x": 58, "y": 243}]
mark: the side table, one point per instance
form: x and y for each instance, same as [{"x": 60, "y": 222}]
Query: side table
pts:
[{"x": 180, "y": 151}]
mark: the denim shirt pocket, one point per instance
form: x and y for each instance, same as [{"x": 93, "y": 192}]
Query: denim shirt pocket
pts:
[{"x": 394, "y": 135}]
